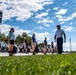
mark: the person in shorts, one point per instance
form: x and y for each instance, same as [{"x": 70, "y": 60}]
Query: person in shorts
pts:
[
  {"x": 45, "y": 45},
  {"x": 33, "y": 44},
  {"x": 11, "y": 41}
]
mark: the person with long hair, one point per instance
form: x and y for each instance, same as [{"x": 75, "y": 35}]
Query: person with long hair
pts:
[
  {"x": 33, "y": 44},
  {"x": 45, "y": 45},
  {"x": 11, "y": 41}
]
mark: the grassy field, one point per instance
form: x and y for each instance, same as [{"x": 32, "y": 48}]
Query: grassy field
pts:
[{"x": 39, "y": 65}]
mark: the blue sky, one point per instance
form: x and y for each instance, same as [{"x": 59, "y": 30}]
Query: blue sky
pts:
[{"x": 40, "y": 17}]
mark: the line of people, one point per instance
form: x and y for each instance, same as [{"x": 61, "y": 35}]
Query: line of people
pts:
[
  {"x": 25, "y": 48},
  {"x": 58, "y": 38}
]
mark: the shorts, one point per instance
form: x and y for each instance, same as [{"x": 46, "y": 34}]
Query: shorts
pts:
[
  {"x": 34, "y": 43},
  {"x": 12, "y": 42}
]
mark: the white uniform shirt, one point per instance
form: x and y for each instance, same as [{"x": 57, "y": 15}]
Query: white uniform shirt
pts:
[{"x": 59, "y": 33}]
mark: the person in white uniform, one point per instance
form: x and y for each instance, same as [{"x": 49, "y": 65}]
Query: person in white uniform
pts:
[{"x": 59, "y": 38}]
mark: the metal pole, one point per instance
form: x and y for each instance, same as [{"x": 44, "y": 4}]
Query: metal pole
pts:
[{"x": 70, "y": 44}]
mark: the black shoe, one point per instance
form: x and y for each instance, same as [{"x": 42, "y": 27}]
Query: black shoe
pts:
[
  {"x": 45, "y": 53},
  {"x": 33, "y": 53},
  {"x": 10, "y": 53}
]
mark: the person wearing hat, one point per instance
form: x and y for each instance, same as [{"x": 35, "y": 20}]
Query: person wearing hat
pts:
[{"x": 59, "y": 38}]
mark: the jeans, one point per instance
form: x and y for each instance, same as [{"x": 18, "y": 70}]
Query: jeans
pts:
[{"x": 60, "y": 45}]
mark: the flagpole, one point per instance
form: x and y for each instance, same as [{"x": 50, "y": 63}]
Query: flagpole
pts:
[{"x": 70, "y": 44}]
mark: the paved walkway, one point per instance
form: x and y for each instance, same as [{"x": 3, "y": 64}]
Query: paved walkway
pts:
[{"x": 23, "y": 54}]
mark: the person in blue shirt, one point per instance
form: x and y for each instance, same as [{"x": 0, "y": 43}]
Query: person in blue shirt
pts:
[
  {"x": 11, "y": 39},
  {"x": 59, "y": 38},
  {"x": 33, "y": 44}
]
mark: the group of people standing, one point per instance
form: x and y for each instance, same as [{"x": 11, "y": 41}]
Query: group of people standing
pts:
[{"x": 58, "y": 38}]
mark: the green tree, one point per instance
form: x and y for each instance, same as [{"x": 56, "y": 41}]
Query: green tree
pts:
[
  {"x": 20, "y": 39},
  {"x": 3, "y": 38},
  {"x": 41, "y": 44}
]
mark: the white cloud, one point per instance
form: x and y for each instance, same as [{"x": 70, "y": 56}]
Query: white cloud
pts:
[
  {"x": 70, "y": 17},
  {"x": 64, "y": 18},
  {"x": 21, "y": 9},
  {"x": 61, "y": 11},
  {"x": 48, "y": 10},
  {"x": 39, "y": 27},
  {"x": 69, "y": 28},
  {"x": 47, "y": 25},
  {"x": 40, "y": 36},
  {"x": 39, "y": 16},
  {"x": 6, "y": 28},
  {"x": 45, "y": 21},
  {"x": 55, "y": 8},
  {"x": 50, "y": 2},
  {"x": 62, "y": 22}
]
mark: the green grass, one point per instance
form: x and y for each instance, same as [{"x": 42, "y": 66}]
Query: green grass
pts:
[{"x": 39, "y": 65}]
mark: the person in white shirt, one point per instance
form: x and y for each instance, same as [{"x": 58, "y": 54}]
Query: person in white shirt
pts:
[{"x": 59, "y": 38}]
